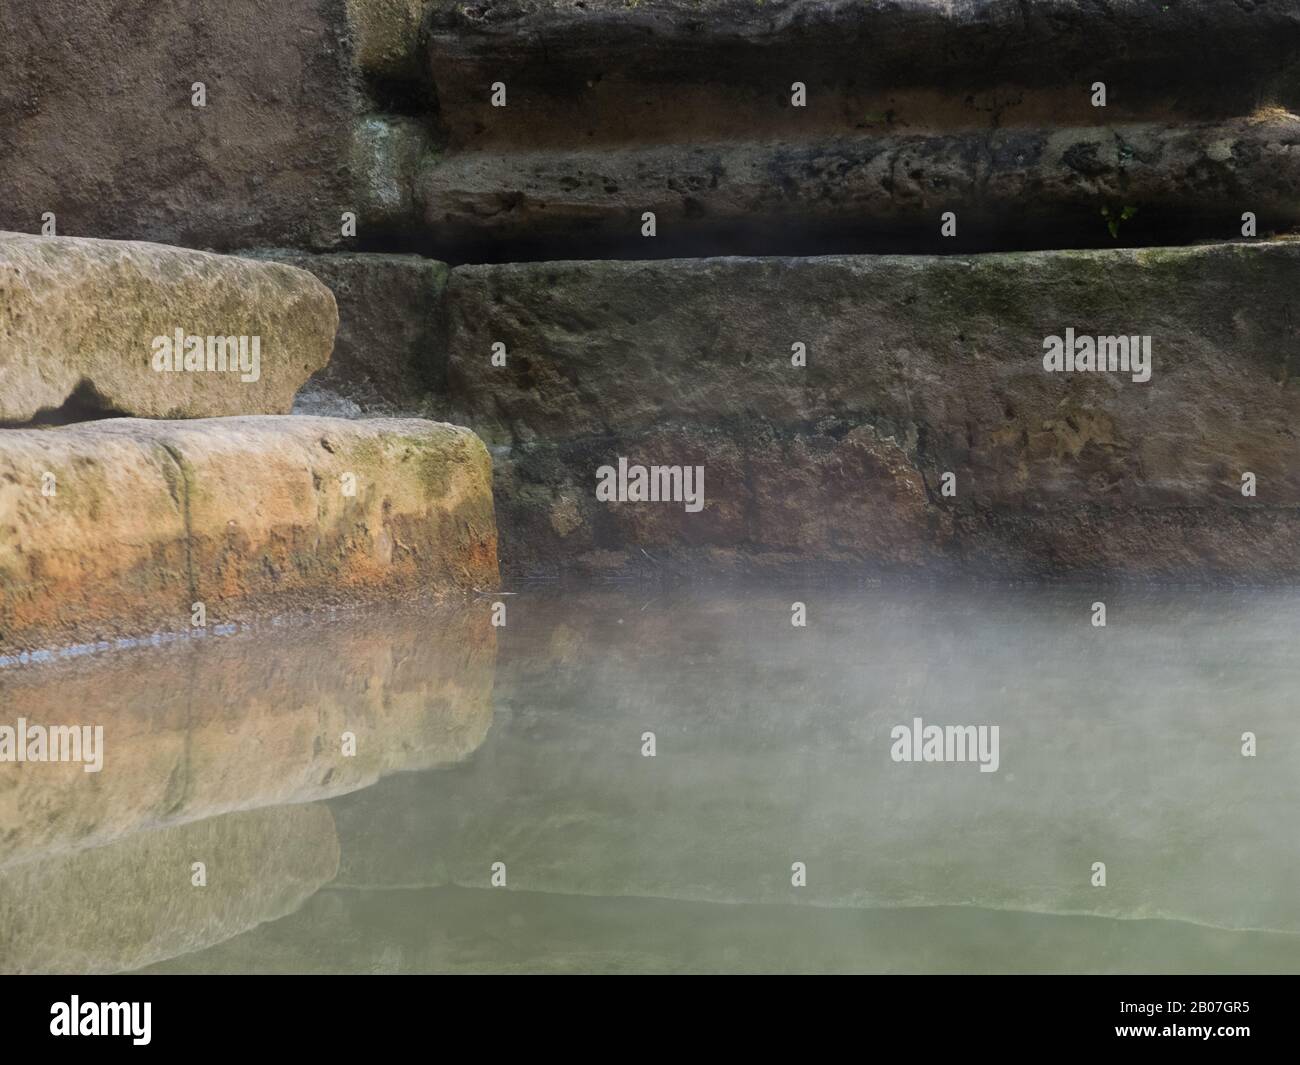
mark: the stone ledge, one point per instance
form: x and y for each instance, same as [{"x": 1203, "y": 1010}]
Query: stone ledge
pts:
[
  {"x": 246, "y": 515},
  {"x": 882, "y": 190},
  {"x": 676, "y": 70},
  {"x": 91, "y": 322},
  {"x": 917, "y": 366}
]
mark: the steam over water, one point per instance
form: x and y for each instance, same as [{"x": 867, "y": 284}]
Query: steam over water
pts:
[{"x": 652, "y": 772}]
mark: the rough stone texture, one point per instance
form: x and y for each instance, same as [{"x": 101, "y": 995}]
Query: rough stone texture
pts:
[
  {"x": 133, "y": 903},
  {"x": 78, "y": 318},
  {"x": 206, "y": 726},
  {"x": 1011, "y": 187},
  {"x": 243, "y": 514},
  {"x": 325, "y": 106},
  {"x": 386, "y": 37},
  {"x": 773, "y": 745},
  {"x": 92, "y": 131},
  {"x": 673, "y": 70},
  {"x": 97, "y": 124},
  {"x": 388, "y": 355},
  {"x": 388, "y": 153},
  {"x": 96, "y": 121},
  {"x": 917, "y": 366}
]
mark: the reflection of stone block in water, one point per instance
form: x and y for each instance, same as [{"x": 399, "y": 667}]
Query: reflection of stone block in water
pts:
[
  {"x": 132, "y": 903},
  {"x": 257, "y": 719}
]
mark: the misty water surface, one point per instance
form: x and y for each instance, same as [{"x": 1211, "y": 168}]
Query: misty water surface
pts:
[{"x": 527, "y": 746}]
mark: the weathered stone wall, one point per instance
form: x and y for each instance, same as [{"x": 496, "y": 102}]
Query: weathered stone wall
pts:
[
  {"x": 97, "y": 126},
  {"x": 614, "y": 108},
  {"x": 98, "y": 123},
  {"x": 675, "y": 70},
  {"x": 987, "y": 109},
  {"x": 882, "y": 190},
  {"x": 389, "y": 355},
  {"x": 916, "y": 367},
  {"x": 383, "y": 108}
]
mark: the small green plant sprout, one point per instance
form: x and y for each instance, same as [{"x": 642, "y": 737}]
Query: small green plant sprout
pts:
[{"x": 1113, "y": 219}]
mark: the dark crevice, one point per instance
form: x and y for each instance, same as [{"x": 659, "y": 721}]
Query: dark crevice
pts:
[
  {"x": 410, "y": 99},
  {"x": 1152, "y": 226}
]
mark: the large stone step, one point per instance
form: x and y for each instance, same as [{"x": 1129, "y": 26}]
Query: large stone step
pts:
[
  {"x": 323, "y": 112},
  {"x": 917, "y": 367},
  {"x": 883, "y": 190},
  {"x": 120, "y": 526},
  {"x": 673, "y": 70},
  {"x": 154, "y": 331}
]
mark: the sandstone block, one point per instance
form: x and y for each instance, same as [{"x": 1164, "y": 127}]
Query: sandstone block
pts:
[
  {"x": 154, "y": 331},
  {"x": 242, "y": 514}
]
